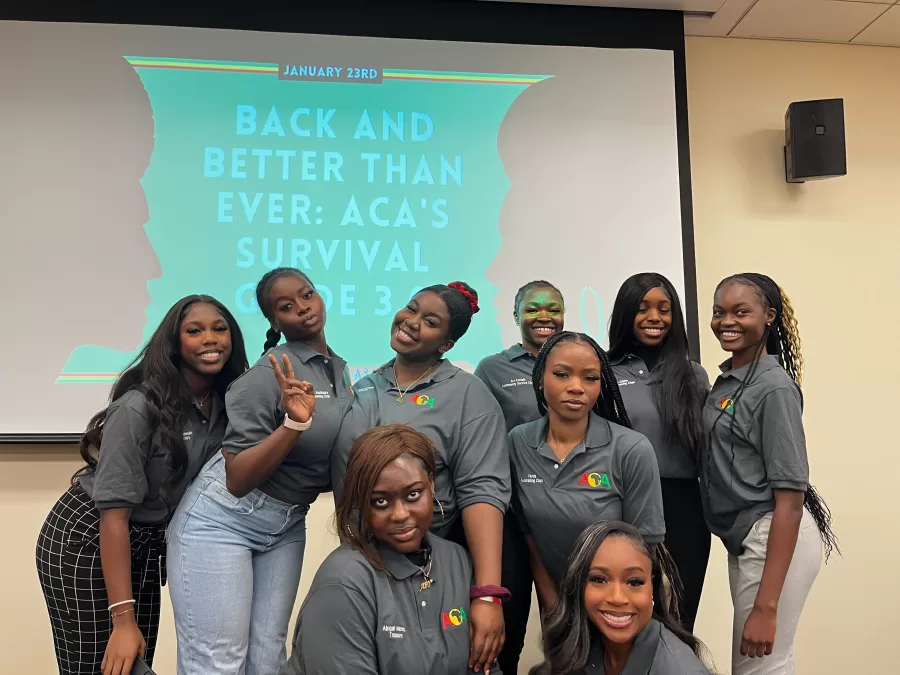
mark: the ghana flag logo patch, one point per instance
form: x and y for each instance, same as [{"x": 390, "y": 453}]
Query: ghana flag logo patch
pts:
[{"x": 727, "y": 404}]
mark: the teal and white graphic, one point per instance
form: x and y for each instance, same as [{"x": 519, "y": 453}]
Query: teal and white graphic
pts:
[{"x": 375, "y": 190}]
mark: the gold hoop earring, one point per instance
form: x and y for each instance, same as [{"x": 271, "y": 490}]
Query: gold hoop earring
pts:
[{"x": 441, "y": 507}]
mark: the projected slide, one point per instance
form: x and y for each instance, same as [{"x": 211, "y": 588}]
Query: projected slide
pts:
[
  {"x": 377, "y": 166},
  {"x": 376, "y": 182}
]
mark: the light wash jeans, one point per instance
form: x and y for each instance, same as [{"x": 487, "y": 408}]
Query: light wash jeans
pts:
[
  {"x": 745, "y": 573},
  {"x": 234, "y": 569}
]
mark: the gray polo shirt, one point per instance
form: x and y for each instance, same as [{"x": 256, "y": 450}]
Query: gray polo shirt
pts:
[
  {"x": 636, "y": 384},
  {"x": 132, "y": 463},
  {"x": 610, "y": 475},
  {"x": 359, "y": 620},
  {"x": 456, "y": 410},
  {"x": 656, "y": 651},
  {"x": 255, "y": 411},
  {"x": 766, "y": 451},
  {"x": 508, "y": 376}
]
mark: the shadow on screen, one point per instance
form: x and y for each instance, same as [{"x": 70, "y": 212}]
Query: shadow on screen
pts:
[
  {"x": 83, "y": 257},
  {"x": 565, "y": 168}
]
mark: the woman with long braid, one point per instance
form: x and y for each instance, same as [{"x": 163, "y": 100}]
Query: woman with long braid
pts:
[
  {"x": 754, "y": 474},
  {"x": 236, "y": 543},
  {"x": 581, "y": 462}
]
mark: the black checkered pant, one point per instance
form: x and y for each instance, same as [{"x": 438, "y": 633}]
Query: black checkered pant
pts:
[{"x": 68, "y": 564}]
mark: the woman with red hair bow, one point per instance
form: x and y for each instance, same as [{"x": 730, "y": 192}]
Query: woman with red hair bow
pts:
[{"x": 421, "y": 388}]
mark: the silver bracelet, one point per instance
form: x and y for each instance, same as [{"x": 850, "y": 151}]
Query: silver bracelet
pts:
[{"x": 118, "y": 604}]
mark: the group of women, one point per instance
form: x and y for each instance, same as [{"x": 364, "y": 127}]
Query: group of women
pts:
[{"x": 597, "y": 477}]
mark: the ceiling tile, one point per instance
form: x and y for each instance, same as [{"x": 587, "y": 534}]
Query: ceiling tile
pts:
[
  {"x": 822, "y": 20},
  {"x": 884, "y": 31},
  {"x": 721, "y": 23}
]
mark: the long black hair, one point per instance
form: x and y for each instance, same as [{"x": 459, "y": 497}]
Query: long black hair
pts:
[
  {"x": 676, "y": 395},
  {"x": 569, "y": 632},
  {"x": 155, "y": 372},
  {"x": 273, "y": 336},
  {"x": 781, "y": 339},
  {"x": 609, "y": 404}
]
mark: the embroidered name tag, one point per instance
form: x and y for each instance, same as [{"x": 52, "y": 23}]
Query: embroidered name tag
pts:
[{"x": 394, "y": 632}]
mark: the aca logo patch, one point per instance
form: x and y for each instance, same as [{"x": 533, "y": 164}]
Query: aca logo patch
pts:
[
  {"x": 595, "y": 480},
  {"x": 422, "y": 399},
  {"x": 727, "y": 404},
  {"x": 455, "y": 617}
]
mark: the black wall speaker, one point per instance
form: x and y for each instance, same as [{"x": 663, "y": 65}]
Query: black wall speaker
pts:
[{"x": 814, "y": 146}]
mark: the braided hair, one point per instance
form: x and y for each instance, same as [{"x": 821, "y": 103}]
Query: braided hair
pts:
[
  {"x": 273, "y": 335},
  {"x": 781, "y": 339},
  {"x": 609, "y": 404}
]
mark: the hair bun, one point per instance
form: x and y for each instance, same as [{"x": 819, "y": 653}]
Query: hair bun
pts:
[{"x": 468, "y": 293}]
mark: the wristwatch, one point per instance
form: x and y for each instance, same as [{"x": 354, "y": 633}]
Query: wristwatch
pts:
[{"x": 297, "y": 426}]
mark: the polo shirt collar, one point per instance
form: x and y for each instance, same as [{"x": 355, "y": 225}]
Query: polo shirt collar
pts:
[
  {"x": 766, "y": 363},
  {"x": 304, "y": 352},
  {"x": 218, "y": 408},
  {"x": 622, "y": 358},
  {"x": 444, "y": 371},
  {"x": 397, "y": 563},
  {"x": 517, "y": 351},
  {"x": 643, "y": 651},
  {"x": 598, "y": 432}
]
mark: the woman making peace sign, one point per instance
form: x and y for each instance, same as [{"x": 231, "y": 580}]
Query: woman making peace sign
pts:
[{"x": 236, "y": 544}]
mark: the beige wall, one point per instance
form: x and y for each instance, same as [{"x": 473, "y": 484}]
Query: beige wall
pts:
[{"x": 833, "y": 245}]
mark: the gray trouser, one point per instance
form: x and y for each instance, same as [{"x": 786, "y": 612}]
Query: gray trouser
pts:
[{"x": 745, "y": 573}]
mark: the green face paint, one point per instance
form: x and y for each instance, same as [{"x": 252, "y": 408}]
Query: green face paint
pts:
[{"x": 541, "y": 314}]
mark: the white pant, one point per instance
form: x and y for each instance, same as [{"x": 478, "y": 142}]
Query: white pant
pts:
[{"x": 745, "y": 573}]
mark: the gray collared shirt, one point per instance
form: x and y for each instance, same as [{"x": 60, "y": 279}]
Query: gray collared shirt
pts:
[
  {"x": 636, "y": 384},
  {"x": 254, "y": 409},
  {"x": 456, "y": 410},
  {"x": 610, "y": 475},
  {"x": 132, "y": 463},
  {"x": 757, "y": 445},
  {"x": 508, "y": 375},
  {"x": 359, "y": 620},
  {"x": 656, "y": 651}
]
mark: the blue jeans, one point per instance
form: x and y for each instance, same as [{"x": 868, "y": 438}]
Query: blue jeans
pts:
[{"x": 234, "y": 568}]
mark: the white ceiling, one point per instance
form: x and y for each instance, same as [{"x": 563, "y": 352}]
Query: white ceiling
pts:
[{"x": 862, "y": 22}]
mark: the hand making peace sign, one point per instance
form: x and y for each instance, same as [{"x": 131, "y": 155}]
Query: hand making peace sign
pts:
[{"x": 297, "y": 397}]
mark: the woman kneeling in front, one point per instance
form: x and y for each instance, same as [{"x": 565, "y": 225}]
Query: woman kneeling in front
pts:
[
  {"x": 611, "y": 616},
  {"x": 393, "y": 598}
]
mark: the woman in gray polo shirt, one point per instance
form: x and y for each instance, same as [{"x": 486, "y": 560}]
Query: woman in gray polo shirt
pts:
[
  {"x": 393, "y": 599},
  {"x": 101, "y": 553},
  {"x": 754, "y": 475},
  {"x": 236, "y": 544},
  {"x": 664, "y": 392},
  {"x": 420, "y": 387},
  {"x": 614, "y": 616},
  {"x": 581, "y": 463},
  {"x": 538, "y": 311}
]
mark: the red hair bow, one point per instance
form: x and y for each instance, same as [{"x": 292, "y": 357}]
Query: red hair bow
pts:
[{"x": 467, "y": 294}]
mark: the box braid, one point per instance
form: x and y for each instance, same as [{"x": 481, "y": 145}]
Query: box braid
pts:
[
  {"x": 609, "y": 404},
  {"x": 273, "y": 336},
  {"x": 782, "y": 340}
]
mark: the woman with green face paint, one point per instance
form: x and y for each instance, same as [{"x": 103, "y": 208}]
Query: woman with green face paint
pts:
[{"x": 538, "y": 312}]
